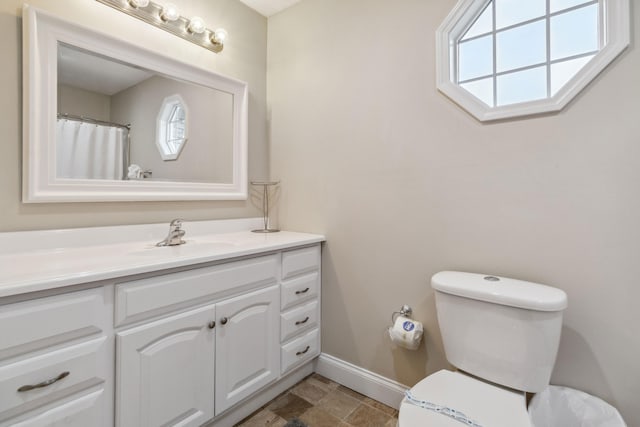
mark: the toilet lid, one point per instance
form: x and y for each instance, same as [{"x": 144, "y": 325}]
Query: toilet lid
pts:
[{"x": 486, "y": 404}]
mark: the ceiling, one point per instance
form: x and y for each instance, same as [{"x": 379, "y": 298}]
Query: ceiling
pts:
[
  {"x": 95, "y": 73},
  {"x": 269, "y": 7}
]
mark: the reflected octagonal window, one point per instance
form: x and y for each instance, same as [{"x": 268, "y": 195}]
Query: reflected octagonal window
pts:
[
  {"x": 171, "y": 127},
  {"x": 508, "y": 58}
]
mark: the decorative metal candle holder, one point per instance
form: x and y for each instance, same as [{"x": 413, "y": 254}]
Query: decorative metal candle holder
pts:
[{"x": 265, "y": 205}]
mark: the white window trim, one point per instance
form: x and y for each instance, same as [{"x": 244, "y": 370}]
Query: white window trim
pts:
[
  {"x": 167, "y": 152},
  {"x": 616, "y": 38}
]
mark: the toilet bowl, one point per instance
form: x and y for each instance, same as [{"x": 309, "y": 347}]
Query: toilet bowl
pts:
[{"x": 503, "y": 335}]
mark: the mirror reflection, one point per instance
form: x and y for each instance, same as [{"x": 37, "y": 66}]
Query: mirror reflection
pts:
[{"x": 117, "y": 121}]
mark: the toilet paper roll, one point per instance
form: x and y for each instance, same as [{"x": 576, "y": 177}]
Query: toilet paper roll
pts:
[{"x": 406, "y": 332}]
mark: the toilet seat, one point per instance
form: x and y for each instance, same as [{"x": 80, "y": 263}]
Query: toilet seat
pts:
[{"x": 486, "y": 404}]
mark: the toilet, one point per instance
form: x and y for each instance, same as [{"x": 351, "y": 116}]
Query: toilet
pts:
[{"x": 502, "y": 335}]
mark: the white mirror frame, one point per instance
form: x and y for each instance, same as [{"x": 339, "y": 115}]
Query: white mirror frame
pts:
[{"x": 41, "y": 34}]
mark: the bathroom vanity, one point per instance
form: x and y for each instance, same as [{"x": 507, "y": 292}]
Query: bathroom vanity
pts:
[{"x": 120, "y": 332}]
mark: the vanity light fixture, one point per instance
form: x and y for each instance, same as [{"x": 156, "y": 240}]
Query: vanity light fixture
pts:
[
  {"x": 139, "y": 3},
  {"x": 168, "y": 18},
  {"x": 169, "y": 12},
  {"x": 196, "y": 25},
  {"x": 219, "y": 37}
]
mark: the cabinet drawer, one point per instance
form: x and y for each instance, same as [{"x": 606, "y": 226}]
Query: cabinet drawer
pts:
[
  {"x": 300, "y": 261},
  {"x": 300, "y": 350},
  {"x": 141, "y": 299},
  {"x": 84, "y": 409},
  {"x": 300, "y": 289},
  {"x": 298, "y": 319},
  {"x": 75, "y": 367},
  {"x": 33, "y": 325}
]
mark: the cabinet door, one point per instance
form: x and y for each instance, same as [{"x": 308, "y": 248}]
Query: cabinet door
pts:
[
  {"x": 165, "y": 371},
  {"x": 247, "y": 342}
]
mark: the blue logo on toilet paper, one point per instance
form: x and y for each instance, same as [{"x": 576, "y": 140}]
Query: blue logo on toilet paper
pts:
[{"x": 408, "y": 326}]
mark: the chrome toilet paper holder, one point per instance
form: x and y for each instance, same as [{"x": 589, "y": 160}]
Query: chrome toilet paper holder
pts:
[{"x": 405, "y": 311}]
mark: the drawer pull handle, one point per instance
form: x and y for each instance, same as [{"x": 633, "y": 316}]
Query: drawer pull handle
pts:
[
  {"x": 211, "y": 325},
  {"x": 224, "y": 320},
  {"x": 300, "y": 353},
  {"x": 302, "y": 292},
  {"x": 43, "y": 383},
  {"x": 301, "y": 322}
]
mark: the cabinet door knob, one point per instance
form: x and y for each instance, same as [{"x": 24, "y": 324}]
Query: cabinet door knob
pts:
[
  {"x": 302, "y": 292},
  {"x": 211, "y": 325},
  {"x": 300, "y": 353},
  {"x": 224, "y": 320},
  {"x": 300, "y": 322},
  {"x": 43, "y": 383}
]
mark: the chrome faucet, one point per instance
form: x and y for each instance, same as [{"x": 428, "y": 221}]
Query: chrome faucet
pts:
[{"x": 175, "y": 235}]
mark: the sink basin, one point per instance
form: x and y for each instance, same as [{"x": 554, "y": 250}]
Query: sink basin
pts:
[{"x": 191, "y": 248}]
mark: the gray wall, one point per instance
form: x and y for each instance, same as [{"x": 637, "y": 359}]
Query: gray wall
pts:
[
  {"x": 244, "y": 58},
  {"x": 404, "y": 184}
]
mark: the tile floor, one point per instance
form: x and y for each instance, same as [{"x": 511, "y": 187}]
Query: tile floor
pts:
[{"x": 319, "y": 402}]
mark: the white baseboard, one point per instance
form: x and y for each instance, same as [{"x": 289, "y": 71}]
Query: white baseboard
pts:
[
  {"x": 365, "y": 382},
  {"x": 370, "y": 384}
]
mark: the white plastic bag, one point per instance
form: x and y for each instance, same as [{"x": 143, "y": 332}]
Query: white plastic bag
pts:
[{"x": 559, "y": 406}]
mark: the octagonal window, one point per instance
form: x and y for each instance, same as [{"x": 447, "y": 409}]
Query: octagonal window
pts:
[
  {"x": 171, "y": 128},
  {"x": 507, "y": 58}
]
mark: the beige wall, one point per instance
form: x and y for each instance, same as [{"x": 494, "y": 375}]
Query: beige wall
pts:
[
  {"x": 80, "y": 102},
  {"x": 404, "y": 184},
  {"x": 244, "y": 58},
  {"x": 207, "y": 156}
]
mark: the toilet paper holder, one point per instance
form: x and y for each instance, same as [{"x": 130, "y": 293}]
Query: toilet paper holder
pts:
[{"x": 405, "y": 311}]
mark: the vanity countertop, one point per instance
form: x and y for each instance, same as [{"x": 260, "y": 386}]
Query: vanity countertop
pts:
[{"x": 45, "y": 260}]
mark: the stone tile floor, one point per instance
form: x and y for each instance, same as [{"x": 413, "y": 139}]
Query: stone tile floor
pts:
[{"x": 319, "y": 402}]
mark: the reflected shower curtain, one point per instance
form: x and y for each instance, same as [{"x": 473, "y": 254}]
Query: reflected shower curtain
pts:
[{"x": 89, "y": 151}]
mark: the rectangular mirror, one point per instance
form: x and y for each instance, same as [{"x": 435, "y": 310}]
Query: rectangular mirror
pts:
[{"x": 106, "y": 120}]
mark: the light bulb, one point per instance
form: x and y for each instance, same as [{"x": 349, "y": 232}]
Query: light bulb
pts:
[
  {"x": 139, "y": 3},
  {"x": 196, "y": 25},
  {"x": 219, "y": 36},
  {"x": 169, "y": 12}
]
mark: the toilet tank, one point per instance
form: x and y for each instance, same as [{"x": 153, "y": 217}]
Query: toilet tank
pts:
[{"x": 503, "y": 330}]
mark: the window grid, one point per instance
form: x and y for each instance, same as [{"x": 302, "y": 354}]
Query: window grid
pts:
[
  {"x": 494, "y": 32},
  {"x": 495, "y": 57},
  {"x": 175, "y": 127},
  {"x": 548, "y": 46},
  {"x": 539, "y": 64}
]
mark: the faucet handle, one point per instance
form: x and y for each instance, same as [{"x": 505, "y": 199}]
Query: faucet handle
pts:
[{"x": 176, "y": 223}]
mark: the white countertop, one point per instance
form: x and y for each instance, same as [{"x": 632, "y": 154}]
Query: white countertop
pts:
[{"x": 50, "y": 259}]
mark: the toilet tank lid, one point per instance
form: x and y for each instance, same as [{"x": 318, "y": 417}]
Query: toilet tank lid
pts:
[{"x": 500, "y": 290}]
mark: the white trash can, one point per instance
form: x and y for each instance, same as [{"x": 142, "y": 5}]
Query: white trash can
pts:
[{"x": 558, "y": 406}]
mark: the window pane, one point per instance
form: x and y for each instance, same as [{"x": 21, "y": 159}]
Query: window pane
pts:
[
  {"x": 475, "y": 58},
  {"x": 483, "y": 25},
  {"x": 574, "y": 32},
  {"x": 522, "y": 86},
  {"x": 509, "y": 12},
  {"x": 481, "y": 89},
  {"x": 521, "y": 46},
  {"x": 557, "y": 5},
  {"x": 562, "y": 72}
]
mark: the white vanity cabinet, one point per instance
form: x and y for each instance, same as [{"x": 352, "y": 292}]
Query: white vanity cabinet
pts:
[
  {"x": 187, "y": 346},
  {"x": 185, "y": 368},
  {"x": 172, "y": 371},
  {"x": 55, "y": 355},
  {"x": 300, "y": 304},
  {"x": 247, "y": 342},
  {"x": 165, "y": 371}
]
